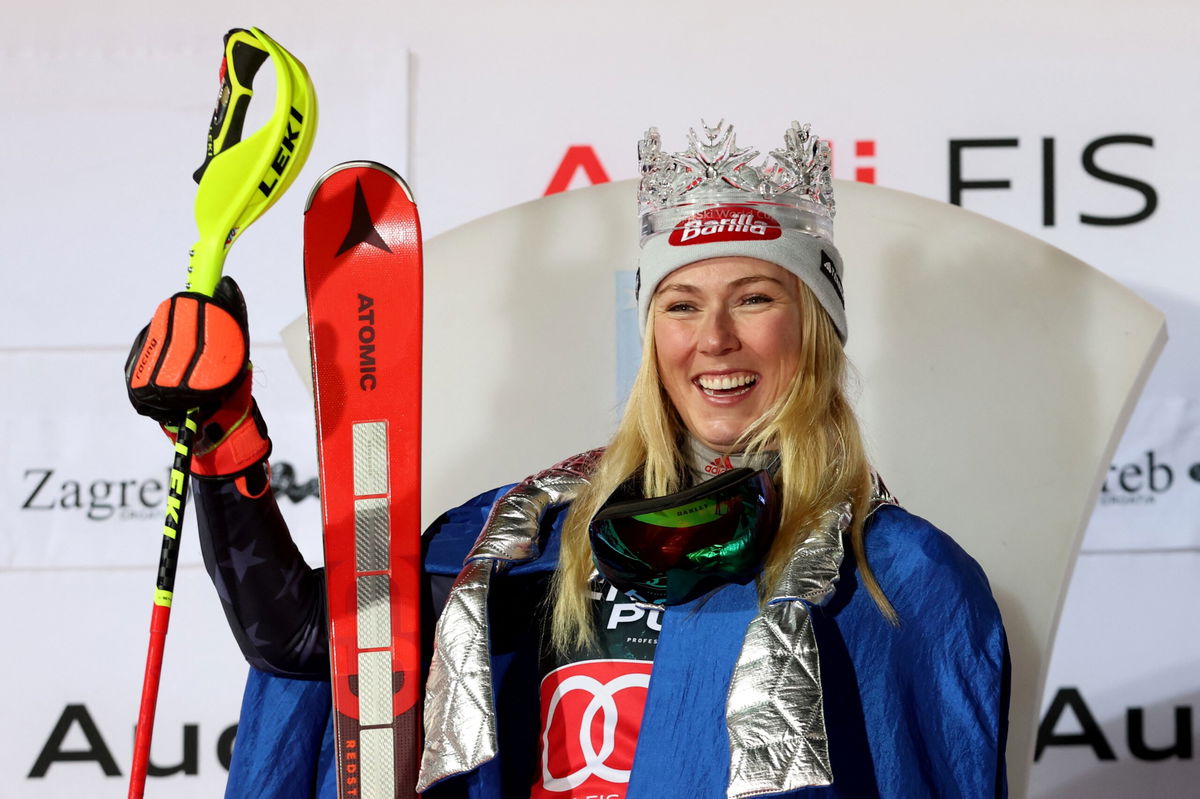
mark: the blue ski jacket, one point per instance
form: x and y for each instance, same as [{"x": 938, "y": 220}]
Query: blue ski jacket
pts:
[{"x": 915, "y": 710}]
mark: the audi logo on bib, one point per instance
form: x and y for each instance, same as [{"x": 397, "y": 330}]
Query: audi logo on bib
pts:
[{"x": 591, "y": 714}]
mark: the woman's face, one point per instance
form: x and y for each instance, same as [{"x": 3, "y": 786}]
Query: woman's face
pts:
[{"x": 727, "y": 338}]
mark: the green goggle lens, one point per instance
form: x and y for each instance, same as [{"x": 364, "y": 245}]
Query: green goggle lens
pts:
[{"x": 670, "y": 550}]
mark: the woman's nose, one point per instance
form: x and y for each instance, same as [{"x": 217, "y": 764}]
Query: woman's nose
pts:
[{"x": 718, "y": 336}]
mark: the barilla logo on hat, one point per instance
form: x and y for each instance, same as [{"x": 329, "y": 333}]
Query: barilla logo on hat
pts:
[{"x": 727, "y": 223}]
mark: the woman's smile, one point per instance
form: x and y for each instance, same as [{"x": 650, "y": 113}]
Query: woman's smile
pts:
[{"x": 730, "y": 384}]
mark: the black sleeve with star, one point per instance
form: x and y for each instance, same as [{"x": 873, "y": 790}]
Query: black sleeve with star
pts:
[{"x": 274, "y": 601}]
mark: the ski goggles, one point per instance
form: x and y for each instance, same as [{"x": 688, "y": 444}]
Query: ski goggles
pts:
[{"x": 673, "y": 549}]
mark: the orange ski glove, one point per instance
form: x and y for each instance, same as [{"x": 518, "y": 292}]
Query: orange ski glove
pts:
[{"x": 195, "y": 353}]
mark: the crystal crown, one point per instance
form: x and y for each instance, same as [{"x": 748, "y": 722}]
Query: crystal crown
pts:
[{"x": 718, "y": 171}]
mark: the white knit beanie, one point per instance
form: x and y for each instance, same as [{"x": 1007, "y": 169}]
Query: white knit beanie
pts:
[{"x": 711, "y": 202}]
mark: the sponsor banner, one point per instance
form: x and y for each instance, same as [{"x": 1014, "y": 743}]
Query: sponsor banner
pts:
[
  {"x": 83, "y": 478},
  {"x": 77, "y": 649},
  {"x": 1120, "y": 711},
  {"x": 1150, "y": 499}
]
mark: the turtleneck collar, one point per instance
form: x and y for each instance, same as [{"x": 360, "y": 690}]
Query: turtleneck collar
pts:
[{"x": 704, "y": 462}]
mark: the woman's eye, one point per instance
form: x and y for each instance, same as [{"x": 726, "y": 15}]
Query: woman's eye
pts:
[
  {"x": 757, "y": 299},
  {"x": 677, "y": 307}
]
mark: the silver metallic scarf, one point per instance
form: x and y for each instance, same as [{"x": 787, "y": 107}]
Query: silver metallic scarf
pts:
[
  {"x": 774, "y": 708},
  {"x": 460, "y": 711}
]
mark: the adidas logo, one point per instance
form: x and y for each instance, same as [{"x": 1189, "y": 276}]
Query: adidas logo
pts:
[{"x": 719, "y": 465}]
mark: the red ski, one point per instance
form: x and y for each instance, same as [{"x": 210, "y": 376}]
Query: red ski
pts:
[{"x": 362, "y": 274}]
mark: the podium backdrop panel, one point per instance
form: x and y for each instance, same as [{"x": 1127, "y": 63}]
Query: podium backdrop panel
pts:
[{"x": 995, "y": 375}]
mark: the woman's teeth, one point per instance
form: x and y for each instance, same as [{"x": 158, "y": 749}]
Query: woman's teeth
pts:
[{"x": 723, "y": 383}]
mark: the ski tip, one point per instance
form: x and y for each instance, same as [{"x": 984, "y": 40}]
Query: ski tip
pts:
[{"x": 387, "y": 170}]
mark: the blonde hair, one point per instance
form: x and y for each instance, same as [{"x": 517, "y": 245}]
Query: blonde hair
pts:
[{"x": 822, "y": 463}]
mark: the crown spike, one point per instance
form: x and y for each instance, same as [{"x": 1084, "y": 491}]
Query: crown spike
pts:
[{"x": 716, "y": 169}]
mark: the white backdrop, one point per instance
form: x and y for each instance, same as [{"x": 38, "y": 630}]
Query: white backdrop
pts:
[{"x": 1068, "y": 109}]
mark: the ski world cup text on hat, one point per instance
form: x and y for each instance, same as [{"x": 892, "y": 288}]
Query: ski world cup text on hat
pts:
[{"x": 727, "y": 223}]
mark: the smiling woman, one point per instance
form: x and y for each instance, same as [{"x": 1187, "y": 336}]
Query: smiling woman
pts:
[
  {"x": 725, "y": 600},
  {"x": 742, "y": 376},
  {"x": 743, "y": 316}
]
